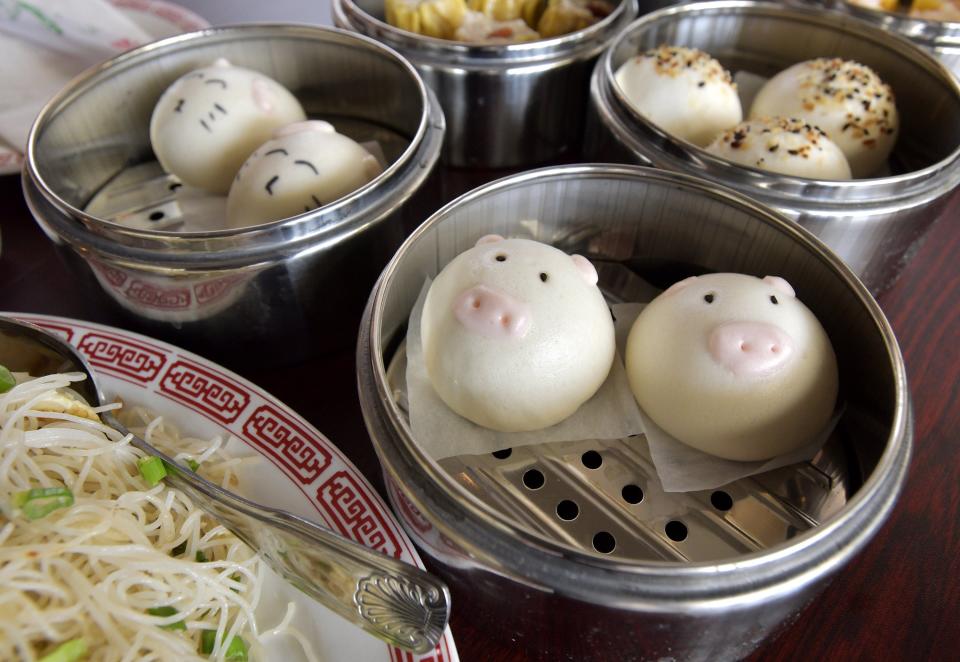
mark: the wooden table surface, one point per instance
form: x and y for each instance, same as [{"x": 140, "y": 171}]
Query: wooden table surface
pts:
[{"x": 898, "y": 600}]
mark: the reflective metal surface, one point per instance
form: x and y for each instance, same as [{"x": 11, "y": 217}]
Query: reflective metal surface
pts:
[
  {"x": 742, "y": 572},
  {"x": 873, "y": 224},
  {"x": 392, "y": 600},
  {"x": 506, "y": 106},
  {"x": 940, "y": 37},
  {"x": 299, "y": 282}
]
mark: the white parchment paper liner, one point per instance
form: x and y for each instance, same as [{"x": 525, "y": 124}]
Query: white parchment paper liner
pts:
[{"x": 611, "y": 413}]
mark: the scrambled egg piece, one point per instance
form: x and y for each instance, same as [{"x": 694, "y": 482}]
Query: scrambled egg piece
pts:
[{"x": 66, "y": 403}]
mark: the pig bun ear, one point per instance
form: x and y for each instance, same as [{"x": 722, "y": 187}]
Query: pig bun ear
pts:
[
  {"x": 303, "y": 127},
  {"x": 263, "y": 96},
  {"x": 587, "y": 271},
  {"x": 371, "y": 166},
  {"x": 678, "y": 286},
  {"x": 489, "y": 239},
  {"x": 780, "y": 284},
  {"x": 222, "y": 62}
]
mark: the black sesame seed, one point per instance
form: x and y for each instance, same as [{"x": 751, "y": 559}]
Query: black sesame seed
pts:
[
  {"x": 773, "y": 300},
  {"x": 543, "y": 277},
  {"x": 501, "y": 258},
  {"x": 708, "y": 298}
]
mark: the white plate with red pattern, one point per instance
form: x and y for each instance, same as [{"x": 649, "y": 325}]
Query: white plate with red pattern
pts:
[{"x": 302, "y": 471}]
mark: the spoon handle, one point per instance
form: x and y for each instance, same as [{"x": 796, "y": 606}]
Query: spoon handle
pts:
[{"x": 388, "y": 598}]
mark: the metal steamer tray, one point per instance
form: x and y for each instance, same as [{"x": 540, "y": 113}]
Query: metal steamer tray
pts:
[
  {"x": 581, "y": 532},
  {"x": 603, "y": 497},
  {"x": 158, "y": 250}
]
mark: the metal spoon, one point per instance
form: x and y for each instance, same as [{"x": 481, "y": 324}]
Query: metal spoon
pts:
[{"x": 392, "y": 600}]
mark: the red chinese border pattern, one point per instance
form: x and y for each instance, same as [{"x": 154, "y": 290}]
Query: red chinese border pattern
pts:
[
  {"x": 122, "y": 356},
  {"x": 303, "y": 456},
  {"x": 64, "y": 332},
  {"x": 202, "y": 390},
  {"x": 356, "y": 517},
  {"x": 398, "y": 655}
]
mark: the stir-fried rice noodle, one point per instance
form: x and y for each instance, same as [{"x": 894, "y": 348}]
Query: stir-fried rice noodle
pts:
[{"x": 96, "y": 569}]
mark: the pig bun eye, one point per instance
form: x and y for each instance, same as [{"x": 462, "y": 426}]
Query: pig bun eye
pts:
[
  {"x": 709, "y": 297},
  {"x": 544, "y": 277},
  {"x": 501, "y": 258},
  {"x": 773, "y": 300}
]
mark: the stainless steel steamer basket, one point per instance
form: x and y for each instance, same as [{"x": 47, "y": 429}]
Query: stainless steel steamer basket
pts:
[
  {"x": 533, "y": 578},
  {"x": 940, "y": 37},
  {"x": 265, "y": 294},
  {"x": 506, "y": 106},
  {"x": 873, "y": 224}
]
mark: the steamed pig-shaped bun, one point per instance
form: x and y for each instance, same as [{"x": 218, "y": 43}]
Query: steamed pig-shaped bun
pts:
[
  {"x": 209, "y": 120},
  {"x": 683, "y": 91},
  {"x": 304, "y": 166},
  {"x": 516, "y": 334},
  {"x": 734, "y": 366}
]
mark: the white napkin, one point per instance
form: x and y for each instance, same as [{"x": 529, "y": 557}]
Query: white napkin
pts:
[{"x": 45, "y": 43}]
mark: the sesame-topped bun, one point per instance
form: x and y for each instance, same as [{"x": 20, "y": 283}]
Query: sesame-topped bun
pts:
[
  {"x": 788, "y": 146},
  {"x": 847, "y": 100},
  {"x": 684, "y": 91}
]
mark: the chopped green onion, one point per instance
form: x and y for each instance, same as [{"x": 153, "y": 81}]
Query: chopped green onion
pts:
[
  {"x": 41, "y": 501},
  {"x": 207, "y": 640},
  {"x": 179, "y": 549},
  {"x": 7, "y": 380},
  {"x": 167, "y": 611},
  {"x": 237, "y": 650},
  {"x": 152, "y": 469},
  {"x": 67, "y": 652},
  {"x": 193, "y": 464},
  {"x": 201, "y": 557}
]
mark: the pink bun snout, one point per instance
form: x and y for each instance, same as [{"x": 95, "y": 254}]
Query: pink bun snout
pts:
[
  {"x": 750, "y": 349},
  {"x": 492, "y": 313}
]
